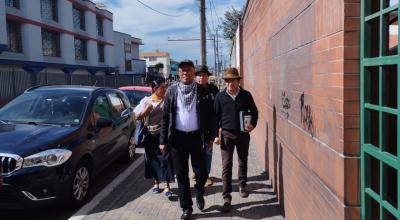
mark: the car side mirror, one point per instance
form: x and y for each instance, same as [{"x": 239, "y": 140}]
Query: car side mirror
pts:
[{"x": 104, "y": 122}]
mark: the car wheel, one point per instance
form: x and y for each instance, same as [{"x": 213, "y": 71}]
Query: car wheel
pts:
[
  {"x": 130, "y": 153},
  {"x": 80, "y": 183}
]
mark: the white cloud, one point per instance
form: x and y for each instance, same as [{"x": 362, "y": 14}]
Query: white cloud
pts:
[{"x": 154, "y": 29}]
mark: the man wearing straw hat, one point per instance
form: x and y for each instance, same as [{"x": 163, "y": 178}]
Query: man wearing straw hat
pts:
[{"x": 232, "y": 106}]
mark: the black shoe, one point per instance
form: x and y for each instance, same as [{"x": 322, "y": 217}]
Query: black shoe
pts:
[
  {"x": 187, "y": 214},
  {"x": 200, "y": 202},
  {"x": 227, "y": 205}
]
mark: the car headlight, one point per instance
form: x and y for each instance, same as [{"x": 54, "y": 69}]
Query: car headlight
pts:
[{"x": 47, "y": 158}]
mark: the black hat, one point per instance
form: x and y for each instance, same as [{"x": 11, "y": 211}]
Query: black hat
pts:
[
  {"x": 186, "y": 63},
  {"x": 202, "y": 69}
]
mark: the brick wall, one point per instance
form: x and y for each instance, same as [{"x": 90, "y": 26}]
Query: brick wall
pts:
[{"x": 301, "y": 63}]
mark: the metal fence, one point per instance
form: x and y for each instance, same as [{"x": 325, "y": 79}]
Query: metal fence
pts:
[{"x": 13, "y": 83}]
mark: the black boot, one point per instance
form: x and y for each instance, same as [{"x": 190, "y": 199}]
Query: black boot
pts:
[
  {"x": 200, "y": 202},
  {"x": 187, "y": 214}
]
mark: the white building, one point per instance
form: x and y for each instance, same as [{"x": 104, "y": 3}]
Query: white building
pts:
[
  {"x": 153, "y": 58},
  {"x": 126, "y": 54},
  {"x": 59, "y": 35}
]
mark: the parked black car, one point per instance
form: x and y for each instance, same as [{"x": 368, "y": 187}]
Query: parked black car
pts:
[{"x": 54, "y": 139}]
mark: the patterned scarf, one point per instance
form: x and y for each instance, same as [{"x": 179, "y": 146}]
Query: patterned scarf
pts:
[{"x": 187, "y": 94}]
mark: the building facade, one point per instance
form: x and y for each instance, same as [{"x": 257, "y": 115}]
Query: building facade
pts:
[
  {"x": 301, "y": 61},
  {"x": 127, "y": 54},
  {"x": 154, "y": 58},
  {"x": 65, "y": 36}
]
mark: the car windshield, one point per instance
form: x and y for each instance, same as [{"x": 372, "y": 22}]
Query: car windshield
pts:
[
  {"x": 45, "y": 108},
  {"x": 135, "y": 96}
]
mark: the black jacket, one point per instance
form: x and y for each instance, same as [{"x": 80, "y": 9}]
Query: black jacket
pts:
[
  {"x": 227, "y": 110},
  {"x": 213, "y": 90},
  {"x": 205, "y": 114}
]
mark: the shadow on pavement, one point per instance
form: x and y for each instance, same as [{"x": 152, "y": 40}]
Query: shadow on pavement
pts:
[
  {"x": 129, "y": 190},
  {"x": 257, "y": 210}
]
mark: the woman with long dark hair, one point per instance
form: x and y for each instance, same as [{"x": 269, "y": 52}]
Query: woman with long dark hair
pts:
[{"x": 158, "y": 166}]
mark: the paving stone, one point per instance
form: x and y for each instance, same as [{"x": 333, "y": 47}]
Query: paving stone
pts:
[{"x": 133, "y": 199}]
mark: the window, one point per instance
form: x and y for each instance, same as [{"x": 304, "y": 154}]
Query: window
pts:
[
  {"x": 79, "y": 18},
  {"x": 48, "y": 9},
  {"x": 14, "y": 37},
  {"x": 99, "y": 22},
  {"x": 117, "y": 104},
  {"x": 152, "y": 58},
  {"x": 128, "y": 65},
  {"x": 13, "y": 3},
  {"x": 379, "y": 109},
  {"x": 100, "y": 50},
  {"x": 128, "y": 47},
  {"x": 50, "y": 43},
  {"x": 80, "y": 49},
  {"x": 101, "y": 108}
]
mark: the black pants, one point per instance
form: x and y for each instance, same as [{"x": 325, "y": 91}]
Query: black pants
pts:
[
  {"x": 183, "y": 145},
  {"x": 229, "y": 141}
]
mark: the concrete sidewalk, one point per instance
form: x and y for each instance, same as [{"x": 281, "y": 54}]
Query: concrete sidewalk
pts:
[{"x": 133, "y": 198}]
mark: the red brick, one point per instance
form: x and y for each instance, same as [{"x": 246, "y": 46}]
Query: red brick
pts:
[
  {"x": 352, "y": 107},
  {"x": 351, "y": 94},
  {"x": 352, "y": 23},
  {"x": 351, "y": 38},
  {"x": 352, "y": 10},
  {"x": 336, "y": 40},
  {"x": 351, "y": 148},
  {"x": 351, "y": 66},
  {"x": 351, "y": 81},
  {"x": 351, "y": 121},
  {"x": 351, "y": 134},
  {"x": 352, "y": 181},
  {"x": 310, "y": 47},
  {"x": 351, "y": 52}
]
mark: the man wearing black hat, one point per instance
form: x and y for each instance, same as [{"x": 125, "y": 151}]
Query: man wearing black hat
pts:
[
  {"x": 188, "y": 122},
  {"x": 202, "y": 75},
  {"x": 231, "y": 107}
]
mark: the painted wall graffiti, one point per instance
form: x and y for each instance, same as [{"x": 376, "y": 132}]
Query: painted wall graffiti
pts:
[
  {"x": 306, "y": 116},
  {"x": 285, "y": 105}
]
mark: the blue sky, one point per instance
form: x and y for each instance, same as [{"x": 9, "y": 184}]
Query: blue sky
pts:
[{"x": 154, "y": 29}]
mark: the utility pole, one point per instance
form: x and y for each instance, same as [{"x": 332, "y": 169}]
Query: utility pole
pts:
[
  {"x": 203, "y": 59},
  {"x": 217, "y": 70},
  {"x": 215, "y": 56}
]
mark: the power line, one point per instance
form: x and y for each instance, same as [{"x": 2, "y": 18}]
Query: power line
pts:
[
  {"x": 212, "y": 16},
  {"x": 219, "y": 20},
  {"x": 149, "y": 7}
]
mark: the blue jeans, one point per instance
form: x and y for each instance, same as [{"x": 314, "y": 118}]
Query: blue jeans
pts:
[{"x": 208, "y": 152}]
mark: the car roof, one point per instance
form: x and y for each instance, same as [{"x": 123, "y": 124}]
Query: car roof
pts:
[
  {"x": 136, "y": 88},
  {"x": 67, "y": 88}
]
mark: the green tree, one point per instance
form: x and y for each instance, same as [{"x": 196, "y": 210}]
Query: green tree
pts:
[
  {"x": 230, "y": 23},
  {"x": 159, "y": 67}
]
